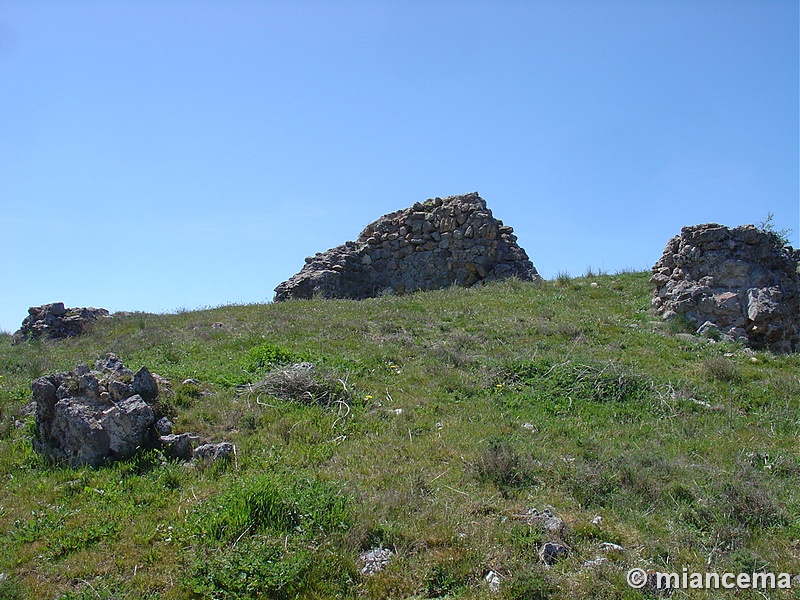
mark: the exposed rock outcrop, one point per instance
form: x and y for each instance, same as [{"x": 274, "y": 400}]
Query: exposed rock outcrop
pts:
[
  {"x": 737, "y": 283},
  {"x": 55, "y": 321},
  {"x": 92, "y": 417},
  {"x": 431, "y": 245}
]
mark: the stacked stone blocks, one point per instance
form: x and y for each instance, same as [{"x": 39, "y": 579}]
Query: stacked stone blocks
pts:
[
  {"x": 431, "y": 245},
  {"x": 736, "y": 283}
]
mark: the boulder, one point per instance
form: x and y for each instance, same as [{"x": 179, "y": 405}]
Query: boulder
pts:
[
  {"x": 178, "y": 445},
  {"x": 432, "y": 245},
  {"x": 144, "y": 384},
  {"x": 734, "y": 283},
  {"x": 164, "y": 426},
  {"x": 213, "y": 452},
  {"x": 552, "y": 552}
]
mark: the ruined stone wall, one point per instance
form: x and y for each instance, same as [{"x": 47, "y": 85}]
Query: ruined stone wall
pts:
[
  {"x": 737, "y": 283},
  {"x": 431, "y": 245}
]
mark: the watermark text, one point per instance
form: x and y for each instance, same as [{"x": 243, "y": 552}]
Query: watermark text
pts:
[{"x": 686, "y": 580}]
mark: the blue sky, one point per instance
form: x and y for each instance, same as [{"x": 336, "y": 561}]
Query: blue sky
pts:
[{"x": 165, "y": 155}]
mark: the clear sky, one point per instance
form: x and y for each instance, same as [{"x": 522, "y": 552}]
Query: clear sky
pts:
[{"x": 159, "y": 155}]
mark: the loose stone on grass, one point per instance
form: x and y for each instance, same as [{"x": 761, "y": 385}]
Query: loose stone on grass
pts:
[
  {"x": 493, "y": 580},
  {"x": 552, "y": 552},
  {"x": 375, "y": 560},
  {"x": 544, "y": 519},
  {"x": 214, "y": 452}
]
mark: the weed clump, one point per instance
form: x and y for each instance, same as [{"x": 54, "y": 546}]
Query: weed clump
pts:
[
  {"x": 563, "y": 279},
  {"x": 445, "y": 578},
  {"x": 304, "y": 383},
  {"x": 502, "y": 465},
  {"x": 268, "y": 355},
  {"x": 186, "y": 393},
  {"x": 530, "y": 585},
  {"x": 780, "y": 237},
  {"x": 608, "y": 383},
  {"x": 271, "y": 537},
  {"x": 680, "y": 323},
  {"x": 262, "y": 504},
  {"x": 720, "y": 369}
]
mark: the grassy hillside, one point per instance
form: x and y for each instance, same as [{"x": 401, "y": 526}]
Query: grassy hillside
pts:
[{"x": 437, "y": 421}]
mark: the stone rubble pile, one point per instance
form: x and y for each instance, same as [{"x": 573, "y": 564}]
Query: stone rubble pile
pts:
[
  {"x": 735, "y": 283},
  {"x": 92, "y": 417},
  {"x": 432, "y": 245},
  {"x": 56, "y": 322}
]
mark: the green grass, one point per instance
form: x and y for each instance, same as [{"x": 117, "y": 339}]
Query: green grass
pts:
[{"x": 442, "y": 417}]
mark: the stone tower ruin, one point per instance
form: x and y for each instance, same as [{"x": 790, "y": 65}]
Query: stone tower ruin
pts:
[
  {"x": 432, "y": 245},
  {"x": 736, "y": 283}
]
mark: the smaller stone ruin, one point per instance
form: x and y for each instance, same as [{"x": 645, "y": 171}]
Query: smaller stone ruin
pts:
[
  {"x": 89, "y": 417},
  {"x": 93, "y": 417},
  {"x": 737, "y": 284},
  {"x": 432, "y": 245},
  {"x": 54, "y": 321}
]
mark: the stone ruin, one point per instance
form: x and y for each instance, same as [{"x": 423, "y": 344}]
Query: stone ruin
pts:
[
  {"x": 54, "y": 321},
  {"x": 737, "y": 284},
  {"x": 432, "y": 245},
  {"x": 92, "y": 417}
]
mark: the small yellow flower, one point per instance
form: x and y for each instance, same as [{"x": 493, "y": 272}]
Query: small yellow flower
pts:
[
  {"x": 499, "y": 385},
  {"x": 368, "y": 397}
]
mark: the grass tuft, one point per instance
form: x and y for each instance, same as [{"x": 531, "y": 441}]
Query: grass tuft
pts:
[{"x": 500, "y": 464}]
